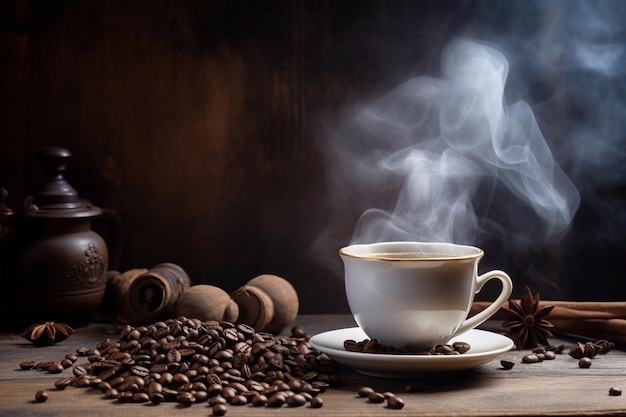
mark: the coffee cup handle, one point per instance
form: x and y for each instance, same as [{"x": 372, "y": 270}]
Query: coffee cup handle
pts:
[{"x": 507, "y": 289}]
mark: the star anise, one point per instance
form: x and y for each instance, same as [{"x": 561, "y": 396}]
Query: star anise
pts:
[
  {"x": 47, "y": 333},
  {"x": 525, "y": 321}
]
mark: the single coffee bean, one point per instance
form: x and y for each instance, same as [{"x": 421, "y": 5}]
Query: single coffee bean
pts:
[
  {"x": 71, "y": 357},
  {"x": 239, "y": 400},
  {"x": 82, "y": 351},
  {"x": 317, "y": 402},
  {"x": 78, "y": 371},
  {"x": 259, "y": 400},
  {"x": 584, "y": 362},
  {"x": 364, "y": 391},
  {"x": 375, "y": 397},
  {"x": 26, "y": 365},
  {"x": 156, "y": 398},
  {"x": 395, "y": 403},
  {"x": 55, "y": 368},
  {"x": 615, "y": 391},
  {"x": 140, "y": 397},
  {"x": 507, "y": 364},
  {"x": 219, "y": 410},
  {"x": 296, "y": 400},
  {"x": 111, "y": 393},
  {"x": 277, "y": 400},
  {"x": 62, "y": 383},
  {"x": 41, "y": 396}
]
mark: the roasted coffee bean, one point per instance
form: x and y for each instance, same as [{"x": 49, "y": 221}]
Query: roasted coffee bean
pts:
[
  {"x": 111, "y": 393},
  {"x": 296, "y": 400},
  {"x": 530, "y": 358},
  {"x": 71, "y": 357},
  {"x": 78, "y": 371},
  {"x": 219, "y": 410},
  {"x": 317, "y": 402},
  {"x": 41, "y": 396},
  {"x": 66, "y": 363},
  {"x": 63, "y": 383},
  {"x": 461, "y": 347},
  {"x": 277, "y": 400},
  {"x": 26, "y": 365},
  {"x": 507, "y": 364},
  {"x": 140, "y": 370},
  {"x": 156, "y": 398},
  {"x": 139, "y": 397},
  {"x": 186, "y": 398},
  {"x": 259, "y": 400},
  {"x": 395, "y": 403},
  {"x": 82, "y": 351},
  {"x": 584, "y": 362},
  {"x": 375, "y": 397},
  {"x": 239, "y": 400},
  {"x": 364, "y": 391},
  {"x": 615, "y": 391}
]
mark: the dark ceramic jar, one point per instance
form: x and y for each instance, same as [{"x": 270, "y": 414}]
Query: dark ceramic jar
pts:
[{"x": 60, "y": 263}]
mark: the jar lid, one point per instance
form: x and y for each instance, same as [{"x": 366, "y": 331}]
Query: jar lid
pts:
[{"x": 56, "y": 197}]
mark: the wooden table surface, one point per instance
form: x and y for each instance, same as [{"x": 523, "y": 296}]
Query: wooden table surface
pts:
[{"x": 556, "y": 387}]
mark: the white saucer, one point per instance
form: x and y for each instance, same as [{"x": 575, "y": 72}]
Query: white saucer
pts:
[{"x": 484, "y": 347}]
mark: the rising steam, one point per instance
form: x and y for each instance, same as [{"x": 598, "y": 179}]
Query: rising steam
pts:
[{"x": 448, "y": 159}]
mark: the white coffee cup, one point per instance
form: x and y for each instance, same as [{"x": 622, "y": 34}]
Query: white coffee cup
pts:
[{"x": 416, "y": 294}]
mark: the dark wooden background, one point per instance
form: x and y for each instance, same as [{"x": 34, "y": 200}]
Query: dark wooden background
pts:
[{"x": 203, "y": 122}]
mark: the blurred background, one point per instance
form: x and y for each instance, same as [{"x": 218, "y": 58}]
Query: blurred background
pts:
[{"x": 211, "y": 126}]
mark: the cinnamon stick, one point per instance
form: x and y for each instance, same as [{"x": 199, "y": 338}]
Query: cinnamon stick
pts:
[{"x": 569, "y": 310}]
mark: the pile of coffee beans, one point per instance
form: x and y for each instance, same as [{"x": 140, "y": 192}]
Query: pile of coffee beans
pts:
[
  {"x": 372, "y": 346},
  {"x": 189, "y": 361}
]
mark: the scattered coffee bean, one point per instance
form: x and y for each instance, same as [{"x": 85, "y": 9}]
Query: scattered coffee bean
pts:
[
  {"x": 55, "y": 368},
  {"x": 63, "y": 383},
  {"x": 364, "y": 391},
  {"x": 219, "y": 410},
  {"x": 584, "y": 362},
  {"x": 317, "y": 402},
  {"x": 507, "y": 364},
  {"x": 375, "y": 397},
  {"x": 41, "y": 396},
  {"x": 26, "y": 365},
  {"x": 615, "y": 391},
  {"x": 395, "y": 403}
]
